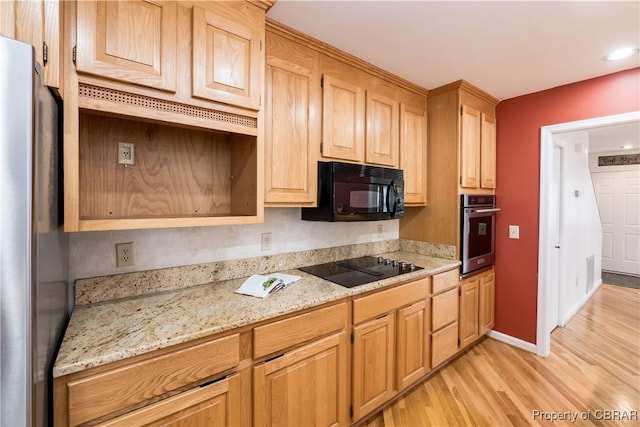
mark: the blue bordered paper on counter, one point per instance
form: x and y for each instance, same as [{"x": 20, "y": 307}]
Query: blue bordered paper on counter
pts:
[{"x": 263, "y": 285}]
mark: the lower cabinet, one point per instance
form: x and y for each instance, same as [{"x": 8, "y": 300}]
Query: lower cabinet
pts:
[
  {"x": 390, "y": 344},
  {"x": 373, "y": 364},
  {"x": 304, "y": 387},
  {"x": 476, "y": 306},
  {"x": 444, "y": 316},
  {"x": 171, "y": 387},
  {"x": 487, "y": 302},
  {"x": 216, "y": 404}
]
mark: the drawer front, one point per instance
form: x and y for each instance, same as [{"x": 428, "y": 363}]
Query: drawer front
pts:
[
  {"x": 382, "y": 302},
  {"x": 444, "y": 344},
  {"x": 444, "y": 309},
  {"x": 444, "y": 281},
  {"x": 286, "y": 333},
  {"x": 102, "y": 394}
]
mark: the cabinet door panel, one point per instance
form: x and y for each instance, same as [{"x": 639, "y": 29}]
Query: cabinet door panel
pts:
[
  {"x": 413, "y": 345},
  {"x": 290, "y": 133},
  {"x": 469, "y": 297},
  {"x": 342, "y": 120},
  {"x": 226, "y": 54},
  {"x": 307, "y": 386},
  {"x": 487, "y": 302},
  {"x": 488, "y": 152},
  {"x": 217, "y": 404},
  {"x": 129, "y": 41},
  {"x": 413, "y": 154},
  {"x": 470, "y": 148},
  {"x": 373, "y": 365},
  {"x": 382, "y": 140}
]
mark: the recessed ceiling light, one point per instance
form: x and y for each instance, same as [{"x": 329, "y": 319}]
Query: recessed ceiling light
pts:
[
  {"x": 621, "y": 53},
  {"x": 626, "y": 146}
]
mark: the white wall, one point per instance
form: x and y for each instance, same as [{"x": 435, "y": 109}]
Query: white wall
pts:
[
  {"x": 93, "y": 253},
  {"x": 581, "y": 231}
]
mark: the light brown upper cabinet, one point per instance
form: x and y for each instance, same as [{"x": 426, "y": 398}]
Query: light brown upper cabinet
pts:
[
  {"x": 488, "y": 152},
  {"x": 477, "y": 149},
  {"x": 180, "y": 80},
  {"x": 227, "y": 44},
  {"x": 129, "y": 41},
  {"x": 39, "y": 24},
  {"x": 343, "y": 116},
  {"x": 461, "y": 157},
  {"x": 292, "y": 123},
  {"x": 381, "y": 138},
  {"x": 323, "y": 104},
  {"x": 413, "y": 153}
]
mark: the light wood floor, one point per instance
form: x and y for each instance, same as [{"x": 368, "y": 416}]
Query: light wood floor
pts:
[{"x": 594, "y": 366}]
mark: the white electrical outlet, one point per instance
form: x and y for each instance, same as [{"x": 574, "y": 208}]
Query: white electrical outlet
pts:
[
  {"x": 126, "y": 153},
  {"x": 265, "y": 241},
  {"x": 124, "y": 254},
  {"x": 514, "y": 231},
  {"x": 380, "y": 230}
]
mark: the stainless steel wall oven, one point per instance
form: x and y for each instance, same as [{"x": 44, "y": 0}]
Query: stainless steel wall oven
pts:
[{"x": 477, "y": 232}]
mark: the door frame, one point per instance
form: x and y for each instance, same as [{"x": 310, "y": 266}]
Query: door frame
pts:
[{"x": 545, "y": 290}]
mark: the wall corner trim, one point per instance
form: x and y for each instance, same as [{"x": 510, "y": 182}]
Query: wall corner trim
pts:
[{"x": 516, "y": 342}]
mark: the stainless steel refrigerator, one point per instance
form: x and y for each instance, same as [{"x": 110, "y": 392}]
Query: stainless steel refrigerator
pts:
[{"x": 33, "y": 247}]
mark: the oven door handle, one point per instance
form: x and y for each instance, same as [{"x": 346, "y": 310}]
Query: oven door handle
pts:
[{"x": 482, "y": 211}]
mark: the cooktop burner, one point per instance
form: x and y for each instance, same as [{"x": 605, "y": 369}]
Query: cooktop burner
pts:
[{"x": 359, "y": 271}]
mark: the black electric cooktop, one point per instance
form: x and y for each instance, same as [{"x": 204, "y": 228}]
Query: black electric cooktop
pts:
[{"x": 359, "y": 271}]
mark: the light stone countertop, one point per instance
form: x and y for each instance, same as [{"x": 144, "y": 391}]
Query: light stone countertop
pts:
[{"x": 107, "y": 332}]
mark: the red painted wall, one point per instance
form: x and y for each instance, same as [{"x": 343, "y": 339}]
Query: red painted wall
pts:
[{"x": 518, "y": 179}]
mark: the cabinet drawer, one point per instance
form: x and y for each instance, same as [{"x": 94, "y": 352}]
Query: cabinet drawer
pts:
[
  {"x": 295, "y": 330},
  {"x": 385, "y": 301},
  {"x": 444, "y": 344},
  {"x": 102, "y": 394},
  {"x": 444, "y": 309},
  {"x": 444, "y": 281}
]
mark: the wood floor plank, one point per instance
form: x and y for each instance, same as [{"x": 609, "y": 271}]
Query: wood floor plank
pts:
[{"x": 593, "y": 370}]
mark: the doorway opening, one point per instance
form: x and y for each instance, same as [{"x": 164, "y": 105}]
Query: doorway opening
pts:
[{"x": 551, "y": 277}]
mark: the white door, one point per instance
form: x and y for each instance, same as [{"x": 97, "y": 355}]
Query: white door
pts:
[
  {"x": 618, "y": 195},
  {"x": 555, "y": 218}
]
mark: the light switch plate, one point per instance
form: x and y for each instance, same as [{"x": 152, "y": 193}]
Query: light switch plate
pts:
[{"x": 514, "y": 231}]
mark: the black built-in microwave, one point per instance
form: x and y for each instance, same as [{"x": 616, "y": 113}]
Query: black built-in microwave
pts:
[{"x": 352, "y": 192}]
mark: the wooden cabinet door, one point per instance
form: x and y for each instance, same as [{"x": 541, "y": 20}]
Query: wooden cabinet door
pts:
[
  {"x": 488, "y": 152},
  {"x": 487, "y": 302},
  {"x": 128, "y": 41},
  {"x": 39, "y": 24},
  {"x": 217, "y": 404},
  {"x": 305, "y": 387},
  {"x": 292, "y": 132},
  {"x": 469, "y": 147},
  {"x": 342, "y": 120},
  {"x": 382, "y": 133},
  {"x": 373, "y": 364},
  {"x": 413, "y": 344},
  {"x": 468, "y": 323},
  {"x": 413, "y": 154},
  {"x": 227, "y": 53}
]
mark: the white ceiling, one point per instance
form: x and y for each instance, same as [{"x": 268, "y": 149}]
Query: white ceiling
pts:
[{"x": 507, "y": 48}]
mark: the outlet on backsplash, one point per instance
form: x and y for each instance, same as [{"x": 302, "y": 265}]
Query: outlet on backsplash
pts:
[
  {"x": 265, "y": 241},
  {"x": 124, "y": 254}
]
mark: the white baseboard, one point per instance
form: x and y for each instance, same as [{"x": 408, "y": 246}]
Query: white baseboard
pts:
[
  {"x": 516, "y": 342},
  {"x": 580, "y": 303}
]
